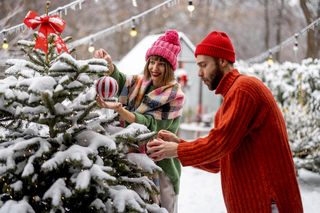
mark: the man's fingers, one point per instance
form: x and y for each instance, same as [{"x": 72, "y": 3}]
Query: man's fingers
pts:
[
  {"x": 156, "y": 156},
  {"x": 166, "y": 135},
  {"x": 162, "y": 133},
  {"x": 155, "y": 142},
  {"x": 153, "y": 146}
]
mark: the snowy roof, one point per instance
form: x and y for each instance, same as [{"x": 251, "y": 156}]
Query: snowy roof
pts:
[{"x": 134, "y": 62}]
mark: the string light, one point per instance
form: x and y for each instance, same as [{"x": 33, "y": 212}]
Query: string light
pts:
[
  {"x": 133, "y": 31},
  {"x": 190, "y": 6},
  {"x": 91, "y": 47},
  {"x": 5, "y": 44},
  {"x": 286, "y": 42},
  {"x": 295, "y": 46},
  {"x": 134, "y": 3},
  {"x": 270, "y": 59},
  {"x": 115, "y": 28}
]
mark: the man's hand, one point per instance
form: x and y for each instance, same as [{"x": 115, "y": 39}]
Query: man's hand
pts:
[
  {"x": 168, "y": 136},
  {"x": 158, "y": 149},
  {"x": 109, "y": 105},
  {"x": 101, "y": 53}
]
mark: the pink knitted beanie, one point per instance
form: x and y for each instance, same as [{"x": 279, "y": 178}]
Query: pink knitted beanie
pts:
[{"x": 167, "y": 46}]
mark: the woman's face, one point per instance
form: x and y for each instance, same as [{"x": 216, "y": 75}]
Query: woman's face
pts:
[{"x": 157, "y": 69}]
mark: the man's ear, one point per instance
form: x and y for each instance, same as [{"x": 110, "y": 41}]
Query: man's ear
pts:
[{"x": 223, "y": 62}]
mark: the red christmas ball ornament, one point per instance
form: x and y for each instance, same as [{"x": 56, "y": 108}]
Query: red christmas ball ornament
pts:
[{"x": 107, "y": 87}]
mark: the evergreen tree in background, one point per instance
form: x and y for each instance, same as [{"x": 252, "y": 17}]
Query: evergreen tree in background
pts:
[{"x": 58, "y": 152}]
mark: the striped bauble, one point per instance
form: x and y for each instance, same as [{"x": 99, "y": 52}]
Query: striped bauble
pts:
[{"x": 106, "y": 87}]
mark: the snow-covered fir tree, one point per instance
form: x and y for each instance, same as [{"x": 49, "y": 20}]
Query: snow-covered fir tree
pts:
[
  {"x": 296, "y": 88},
  {"x": 58, "y": 151}
]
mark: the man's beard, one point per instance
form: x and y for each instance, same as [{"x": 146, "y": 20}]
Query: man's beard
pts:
[{"x": 216, "y": 78}]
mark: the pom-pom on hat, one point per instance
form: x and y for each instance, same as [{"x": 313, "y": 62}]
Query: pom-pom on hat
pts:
[
  {"x": 167, "y": 46},
  {"x": 218, "y": 45}
]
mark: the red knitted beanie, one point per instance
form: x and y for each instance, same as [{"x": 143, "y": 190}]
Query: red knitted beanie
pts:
[
  {"x": 218, "y": 45},
  {"x": 167, "y": 46}
]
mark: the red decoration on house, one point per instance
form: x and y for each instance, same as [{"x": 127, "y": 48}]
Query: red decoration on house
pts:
[
  {"x": 182, "y": 77},
  {"x": 48, "y": 25},
  {"x": 107, "y": 87}
]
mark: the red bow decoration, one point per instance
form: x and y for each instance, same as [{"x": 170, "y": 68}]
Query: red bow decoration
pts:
[{"x": 48, "y": 25}]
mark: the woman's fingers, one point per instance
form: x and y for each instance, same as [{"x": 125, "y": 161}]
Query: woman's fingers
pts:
[
  {"x": 101, "y": 53},
  {"x": 99, "y": 101},
  {"x": 108, "y": 58},
  {"x": 108, "y": 104}
]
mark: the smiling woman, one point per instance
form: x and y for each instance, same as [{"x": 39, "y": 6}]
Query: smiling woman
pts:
[
  {"x": 159, "y": 70},
  {"x": 154, "y": 99}
]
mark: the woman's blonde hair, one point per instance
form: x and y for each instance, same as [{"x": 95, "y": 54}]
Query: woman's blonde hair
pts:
[{"x": 168, "y": 72}]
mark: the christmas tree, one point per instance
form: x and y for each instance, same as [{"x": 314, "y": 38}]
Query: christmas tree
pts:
[{"x": 58, "y": 151}]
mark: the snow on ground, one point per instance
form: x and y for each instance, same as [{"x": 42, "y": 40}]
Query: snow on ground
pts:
[{"x": 200, "y": 191}]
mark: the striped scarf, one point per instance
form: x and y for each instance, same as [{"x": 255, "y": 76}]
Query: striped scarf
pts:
[{"x": 162, "y": 103}]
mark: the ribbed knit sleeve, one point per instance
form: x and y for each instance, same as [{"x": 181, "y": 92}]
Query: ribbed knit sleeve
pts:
[
  {"x": 238, "y": 110},
  {"x": 213, "y": 167}
]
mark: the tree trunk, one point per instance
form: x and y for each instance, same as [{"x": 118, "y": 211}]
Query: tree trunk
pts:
[
  {"x": 317, "y": 34},
  {"x": 311, "y": 39},
  {"x": 266, "y": 21},
  {"x": 279, "y": 27}
]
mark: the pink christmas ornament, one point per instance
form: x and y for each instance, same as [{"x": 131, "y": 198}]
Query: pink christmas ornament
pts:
[{"x": 106, "y": 87}]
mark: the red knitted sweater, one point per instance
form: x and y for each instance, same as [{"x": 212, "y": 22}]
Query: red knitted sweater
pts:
[{"x": 249, "y": 145}]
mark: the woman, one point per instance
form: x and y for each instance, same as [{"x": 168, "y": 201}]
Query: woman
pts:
[{"x": 155, "y": 100}]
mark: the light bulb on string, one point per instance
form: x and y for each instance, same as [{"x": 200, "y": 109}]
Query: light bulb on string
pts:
[
  {"x": 270, "y": 59},
  {"x": 133, "y": 31},
  {"x": 134, "y": 3},
  {"x": 91, "y": 47},
  {"x": 190, "y": 6},
  {"x": 295, "y": 46},
  {"x": 5, "y": 44}
]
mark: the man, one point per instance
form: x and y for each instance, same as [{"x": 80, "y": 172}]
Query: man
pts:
[{"x": 249, "y": 143}]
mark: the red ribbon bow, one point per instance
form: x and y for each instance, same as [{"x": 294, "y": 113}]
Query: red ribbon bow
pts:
[{"x": 48, "y": 24}]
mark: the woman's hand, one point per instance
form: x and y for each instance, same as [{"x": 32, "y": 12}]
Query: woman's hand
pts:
[
  {"x": 108, "y": 104},
  {"x": 101, "y": 53}
]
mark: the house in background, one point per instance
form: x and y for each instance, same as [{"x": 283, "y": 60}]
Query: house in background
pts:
[{"x": 199, "y": 100}]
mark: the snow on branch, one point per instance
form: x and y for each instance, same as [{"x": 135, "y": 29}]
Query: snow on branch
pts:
[
  {"x": 132, "y": 130},
  {"x": 95, "y": 140},
  {"x": 66, "y": 63},
  {"x": 22, "y": 67},
  {"x": 143, "y": 162},
  {"x": 56, "y": 191},
  {"x": 21, "y": 206},
  {"x": 74, "y": 153},
  {"x": 145, "y": 181},
  {"x": 8, "y": 154},
  {"x": 124, "y": 197},
  {"x": 97, "y": 172}
]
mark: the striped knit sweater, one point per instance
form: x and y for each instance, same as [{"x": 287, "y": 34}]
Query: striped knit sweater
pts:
[{"x": 249, "y": 145}]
